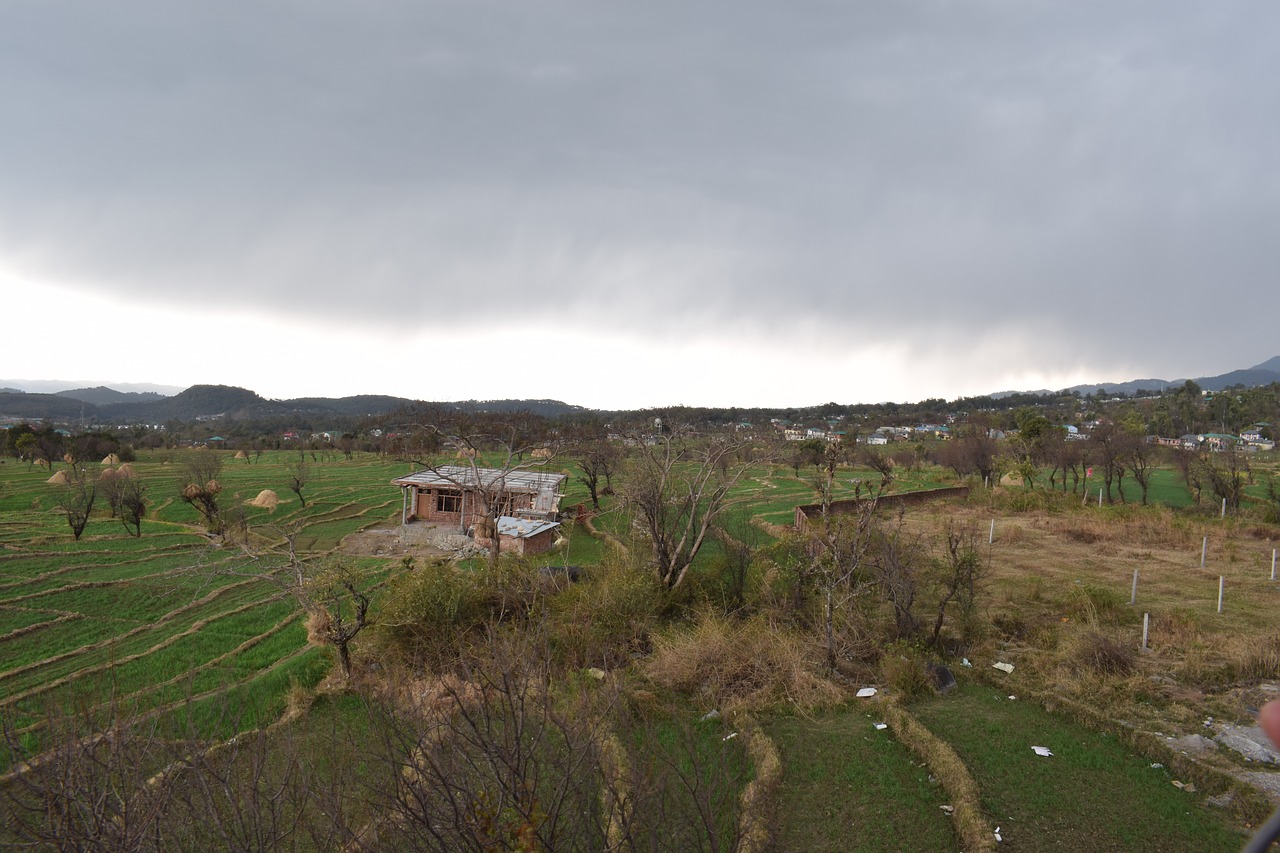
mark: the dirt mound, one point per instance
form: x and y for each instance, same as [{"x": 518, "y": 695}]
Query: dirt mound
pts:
[
  {"x": 111, "y": 459},
  {"x": 266, "y": 499},
  {"x": 58, "y": 479}
]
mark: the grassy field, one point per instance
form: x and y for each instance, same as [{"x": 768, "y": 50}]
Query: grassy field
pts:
[
  {"x": 161, "y": 626},
  {"x": 848, "y": 786},
  {"x": 1091, "y": 794}
]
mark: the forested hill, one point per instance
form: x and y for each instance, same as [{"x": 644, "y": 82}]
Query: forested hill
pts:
[{"x": 199, "y": 402}]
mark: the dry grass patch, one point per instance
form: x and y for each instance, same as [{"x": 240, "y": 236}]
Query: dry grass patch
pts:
[{"x": 740, "y": 665}]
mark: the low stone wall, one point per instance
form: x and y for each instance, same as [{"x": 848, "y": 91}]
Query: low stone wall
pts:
[{"x": 805, "y": 512}]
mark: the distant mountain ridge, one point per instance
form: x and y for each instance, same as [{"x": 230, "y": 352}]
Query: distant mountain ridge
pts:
[
  {"x": 1260, "y": 374},
  {"x": 106, "y": 405}
]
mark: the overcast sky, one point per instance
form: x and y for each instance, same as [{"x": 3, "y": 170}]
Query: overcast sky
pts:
[{"x": 639, "y": 204}]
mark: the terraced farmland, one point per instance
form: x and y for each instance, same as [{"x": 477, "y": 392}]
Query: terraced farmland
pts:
[{"x": 161, "y": 625}]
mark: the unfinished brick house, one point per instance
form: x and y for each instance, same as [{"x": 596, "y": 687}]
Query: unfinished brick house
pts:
[
  {"x": 455, "y": 495},
  {"x": 523, "y": 536}
]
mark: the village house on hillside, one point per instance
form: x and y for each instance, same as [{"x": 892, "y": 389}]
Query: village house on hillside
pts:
[
  {"x": 527, "y": 502},
  {"x": 453, "y": 494}
]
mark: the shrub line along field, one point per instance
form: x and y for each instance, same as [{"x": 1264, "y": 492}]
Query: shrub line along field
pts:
[{"x": 151, "y": 622}]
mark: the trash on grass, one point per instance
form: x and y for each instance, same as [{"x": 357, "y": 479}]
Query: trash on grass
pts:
[
  {"x": 1002, "y": 666},
  {"x": 948, "y": 809},
  {"x": 1011, "y": 698},
  {"x": 1177, "y": 784},
  {"x": 1042, "y": 751},
  {"x": 881, "y": 726},
  {"x": 865, "y": 692},
  {"x": 1156, "y": 766},
  {"x": 730, "y": 736},
  {"x": 998, "y": 838},
  {"x": 965, "y": 662}
]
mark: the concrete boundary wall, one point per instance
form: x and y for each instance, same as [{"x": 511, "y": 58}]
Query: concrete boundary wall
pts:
[{"x": 805, "y": 512}]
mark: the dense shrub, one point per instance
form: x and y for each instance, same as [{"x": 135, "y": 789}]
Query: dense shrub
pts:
[{"x": 731, "y": 664}]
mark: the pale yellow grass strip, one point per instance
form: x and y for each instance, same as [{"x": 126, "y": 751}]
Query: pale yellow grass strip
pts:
[
  {"x": 758, "y": 797},
  {"x": 946, "y": 766}
]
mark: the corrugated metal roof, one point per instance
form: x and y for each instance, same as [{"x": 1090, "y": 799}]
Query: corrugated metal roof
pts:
[
  {"x": 523, "y": 528},
  {"x": 544, "y": 485}
]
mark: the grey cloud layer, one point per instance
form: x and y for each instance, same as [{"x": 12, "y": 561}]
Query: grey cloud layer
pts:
[{"x": 937, "y": 169}]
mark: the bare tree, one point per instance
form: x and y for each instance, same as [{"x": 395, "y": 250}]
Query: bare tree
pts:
[
  {"x": 330, "y": 588},
  {"x": 1226, "y": 471},
  {"x": 299, "y": 473},
  {"x": 76, "y": 498},
  {"x": 675, "y": 489},
  {"x": 199, "y": 487},
  {"x": 598, "y": 458},
  {"x": 881, "y": 463},
  {"x": 132, "y": 497}
]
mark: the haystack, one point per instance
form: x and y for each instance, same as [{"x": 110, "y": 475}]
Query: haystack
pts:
[
  {"x": 125, "y": 470},
  {"x": 68, "y": 458},
  {"x": 541, "y": 453},
  {"x": 466, "y": 453},
  {"x": 240, "y": 454},
  {"x": 108, "y": 474},
  {"x": 58, "y": 479},
  {"x": 1011, "y": 480},
  {"x": 266, "y": 499},
  {"x": 111, "y": 459},
  {"x": 43, "y": 463}
]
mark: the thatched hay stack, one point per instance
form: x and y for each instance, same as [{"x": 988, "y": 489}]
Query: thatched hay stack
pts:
[
  {"x": 108, "y": 474},
  {"x": 58, "y": 479},
  {"x": 240, "y": 454},
  {"x": 111, "y": 459},
  {"x": 466, "y": 453},
  {"x": 68, "y": 458},
  {"x": 43, "y": 463},
  {"x": 541, "y": 453},
  {"x": 125, "y": 470},
  {"x": 266, "y": 499}
]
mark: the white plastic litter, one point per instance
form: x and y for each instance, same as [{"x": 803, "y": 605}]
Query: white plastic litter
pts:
[
  {"x": 730, "y": 736},
  {"x": 1042, "y": 751},
  {"x": 965, "y": 661},
  {"x": 1002, "y": 666},
  {"x": 998, "y": 838},
  {"x": 866, "y": 692},
  {"x": 881, "y": 726},
  {"x": 1011, "y": 698}
]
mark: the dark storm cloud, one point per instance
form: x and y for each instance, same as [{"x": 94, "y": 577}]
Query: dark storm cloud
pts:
[{"x": 916, "y": 172}]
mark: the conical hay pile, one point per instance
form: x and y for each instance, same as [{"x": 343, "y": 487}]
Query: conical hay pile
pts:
[
  {"x": 43, "y": 463},
  {"x": 125, "y": 470},
  {"x": 1010, "y": 480},
  {"x": 108, "y": 474},
  {"x": 68, "y": 458},
  {"x": 240, "y": 454},
  {"x": 58, "y": 479},
  {"x": 266, "y": 499},
  {"x": 111, "y": 459}
]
